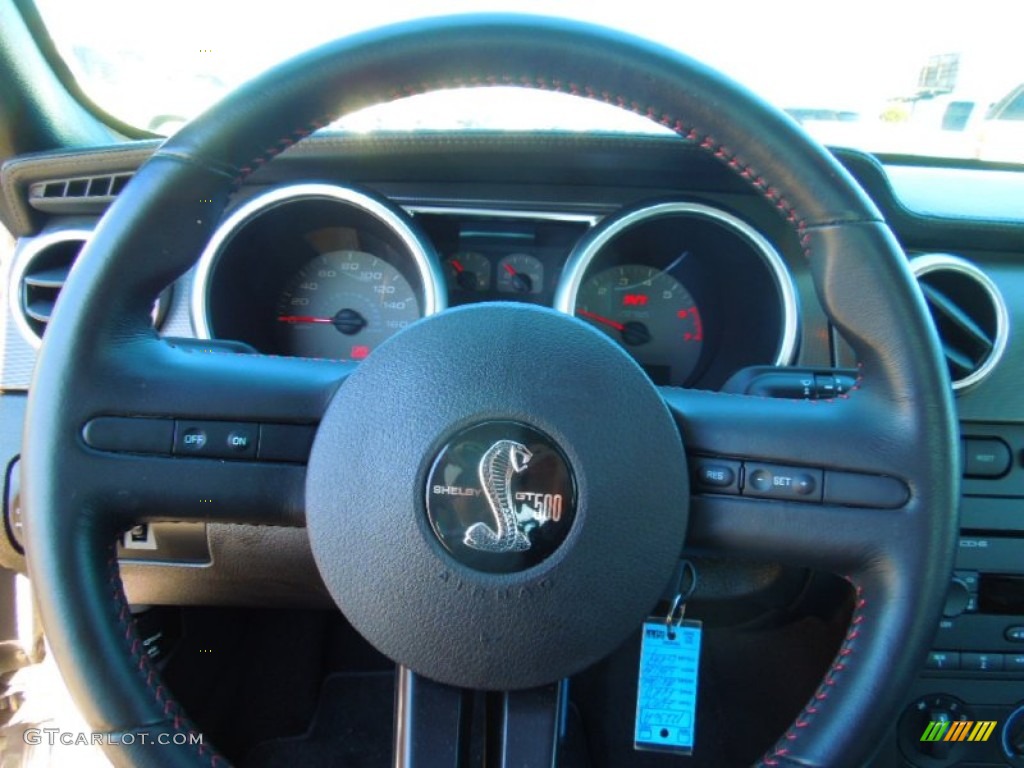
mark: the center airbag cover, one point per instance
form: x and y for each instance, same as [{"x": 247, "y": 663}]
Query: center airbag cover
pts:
[{"x": 370, "y": 466}]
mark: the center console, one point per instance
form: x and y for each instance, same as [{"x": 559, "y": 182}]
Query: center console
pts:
[{"x": 972, "y": 686}]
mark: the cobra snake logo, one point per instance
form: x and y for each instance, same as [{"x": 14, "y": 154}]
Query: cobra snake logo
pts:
[{"x": 499, "y": 464}]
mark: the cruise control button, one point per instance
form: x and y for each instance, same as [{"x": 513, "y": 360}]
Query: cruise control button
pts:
[
  {"x": 216, "y": 439},
  {"x": 804, "y": 484},
  {"x": 947, "y": 660},
  {"x": 777, "y": 482},
  {"x": 192, "y": 439},
  {"x": 241, "y": 440},
  {"x": 716, "y": 475},
  {"x": 759, "y": 480}
]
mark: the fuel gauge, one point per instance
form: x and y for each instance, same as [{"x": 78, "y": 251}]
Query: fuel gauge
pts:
[
  {"x": 520, "y": 273},
  {"x": 468, "y": 271}
]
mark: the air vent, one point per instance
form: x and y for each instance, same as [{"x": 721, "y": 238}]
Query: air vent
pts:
[
  {"x": 104, "y": 188},
  {"x": 42, "y": 268},
  {"x": 81, "y": 195},
  {"x": 969, "y": 314}
]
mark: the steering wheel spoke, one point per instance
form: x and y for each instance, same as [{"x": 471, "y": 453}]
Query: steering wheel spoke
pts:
[
  {"x": 434, "y": 724},
  {"x": 168, "y": 433},
  {"x": 769, "y": 479},
  {"x": 135, "y": 489},
  {"x": 858, "y": 433},
  {"x": 840, "y": 540},
  {"x": 149, "y": 376}
]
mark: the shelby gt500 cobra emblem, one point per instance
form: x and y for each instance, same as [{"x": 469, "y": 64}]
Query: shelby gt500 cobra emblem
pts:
[{"x": 501, "y": 496}]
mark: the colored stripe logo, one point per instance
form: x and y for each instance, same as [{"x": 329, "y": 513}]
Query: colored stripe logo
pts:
[{"x": 961, "y": 730}]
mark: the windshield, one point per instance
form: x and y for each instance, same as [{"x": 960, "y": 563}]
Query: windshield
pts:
[{"x": 934, "y": 78}]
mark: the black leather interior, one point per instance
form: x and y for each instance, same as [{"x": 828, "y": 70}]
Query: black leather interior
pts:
[{"x": 101, "y": 348}]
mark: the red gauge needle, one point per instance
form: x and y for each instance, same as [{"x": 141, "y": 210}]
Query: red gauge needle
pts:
[
  {"x": 600, "y": 319},
  {"x": 303, "y": 319},
  {"x": 508, "y": 268},
  {"x": 457, "y": 265}
]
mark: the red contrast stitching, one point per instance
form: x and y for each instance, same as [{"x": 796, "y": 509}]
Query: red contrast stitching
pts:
[
  {"x": 688, "y": 132},
  {"x": 278, "y": 147},
  {"x": 839, "y": 665},
  {"x": 150, "y": 675}
]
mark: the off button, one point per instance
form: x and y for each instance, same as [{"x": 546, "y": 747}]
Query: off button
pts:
[{"x": 193, "y": 440}]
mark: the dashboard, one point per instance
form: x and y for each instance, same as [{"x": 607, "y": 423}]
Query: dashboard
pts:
[
  {"x": 692, "y": 291},
  {"x": 343, "y": 241}
]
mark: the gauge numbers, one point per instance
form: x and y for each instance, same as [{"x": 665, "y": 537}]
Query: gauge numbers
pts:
[
  {"x": 651, "y": 314},
  {"x": 342, "y": 305}
]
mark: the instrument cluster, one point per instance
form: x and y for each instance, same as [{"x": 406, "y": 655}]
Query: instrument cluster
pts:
[{"x": 692, "y": 292}]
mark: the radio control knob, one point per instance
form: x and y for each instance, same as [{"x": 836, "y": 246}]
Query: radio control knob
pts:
[
  {"x": 957, "y": 599},
  {"x": 1013, "y": 735}
]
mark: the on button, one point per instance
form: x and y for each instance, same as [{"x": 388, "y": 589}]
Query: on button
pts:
[{"x": 240, "y": 441}]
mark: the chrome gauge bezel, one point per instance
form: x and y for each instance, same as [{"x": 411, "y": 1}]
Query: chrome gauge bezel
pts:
[
  {"x": 427, "y": 266},
  {"x": 577, "y": 268}
]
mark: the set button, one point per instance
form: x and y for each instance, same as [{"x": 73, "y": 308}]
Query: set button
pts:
[{"x": 775, "y": 482}]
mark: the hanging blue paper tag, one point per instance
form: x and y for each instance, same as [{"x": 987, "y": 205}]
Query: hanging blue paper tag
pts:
[{"x": 666, "y": 705}]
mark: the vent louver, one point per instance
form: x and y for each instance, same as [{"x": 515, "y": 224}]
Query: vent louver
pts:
[
  {"x": 80, "y": 195},
  {"x": 43, "y": 268},
  {"x": 969, "y": 314},
  {"x": 103, "y": 188}
]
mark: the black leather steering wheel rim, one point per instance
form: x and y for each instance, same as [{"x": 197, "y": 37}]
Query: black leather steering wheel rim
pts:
[{"x": 102, "y": 357}]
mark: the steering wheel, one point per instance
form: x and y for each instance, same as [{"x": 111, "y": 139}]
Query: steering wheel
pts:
[{"x": 447, "y": 624}]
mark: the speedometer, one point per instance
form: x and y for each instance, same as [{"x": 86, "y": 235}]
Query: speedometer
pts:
[
  {"x": 651, "y": 314},
  {"x": 342, "y": 305}
]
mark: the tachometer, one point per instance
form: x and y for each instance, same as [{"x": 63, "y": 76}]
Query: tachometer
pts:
[
  {"x": 342, "y": 305},
  {"x": 651, "y": 314}
]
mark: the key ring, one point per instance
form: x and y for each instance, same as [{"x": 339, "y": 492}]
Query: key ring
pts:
[{"x": 679, "y": 601}]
